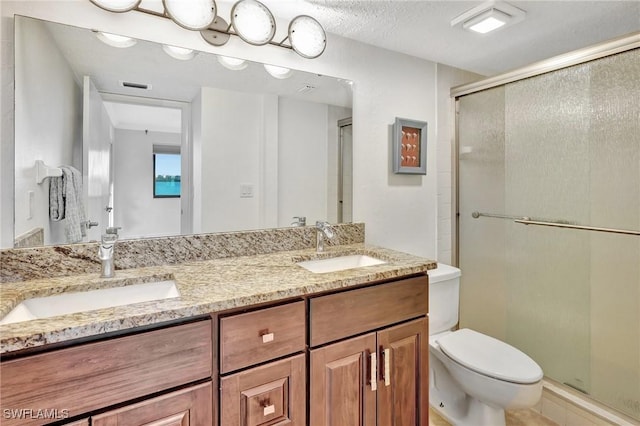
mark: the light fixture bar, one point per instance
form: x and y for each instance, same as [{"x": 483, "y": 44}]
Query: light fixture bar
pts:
[{"x": 219, "y": 31}]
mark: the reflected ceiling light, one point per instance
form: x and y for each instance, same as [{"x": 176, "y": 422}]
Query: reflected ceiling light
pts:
[
  {"x": 253, "y": 22},
  {"x": 232, "y": 63},
  {"x": 307, "y": 37},
  {"x": 117, "y": 5},
  {"x": 191, "y": 14},
  {"x": 115, "y": 40},
  {"x": 278, "y": 72},
  {"x": 489, "y": 16},
  {"x": 180, "y": 53},
  {"x": 250, "y": 20}
]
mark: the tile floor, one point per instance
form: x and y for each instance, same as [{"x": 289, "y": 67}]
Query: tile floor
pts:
[{"x": 514, "y": 418}]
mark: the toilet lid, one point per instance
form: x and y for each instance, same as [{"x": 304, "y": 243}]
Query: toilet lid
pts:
[{"x": 489, "y": 356}]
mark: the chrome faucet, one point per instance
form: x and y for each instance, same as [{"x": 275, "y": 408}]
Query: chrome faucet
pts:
[
  {"x": 299, "y": 221},
  {"x": 323, "y": 229},
  {"x": 105, "y": 252}
]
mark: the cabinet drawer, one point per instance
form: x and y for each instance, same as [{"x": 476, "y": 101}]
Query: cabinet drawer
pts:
[
  {"x": 96, "y": 375},
  {"x": 267, "y": 395},
  {"x": 345, "y": 314},
  {"x": 258, "y": 336}
]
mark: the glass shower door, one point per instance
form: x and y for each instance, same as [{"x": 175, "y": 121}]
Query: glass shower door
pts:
[{"x": 561, "y": 147}]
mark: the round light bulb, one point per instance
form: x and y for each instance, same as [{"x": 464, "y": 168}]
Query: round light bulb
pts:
[
  {"x": 115, "y": 40},
  {"x": 307, "y": 37},
  {"x": 180, "y": 53},
  {"x": 117, "y": 5},
  {"x": 253, "y": 22},
  {"x": 232, "y": 63},
  {"x": 191, "y": 14},
  {"x": 278, "y": 72}
]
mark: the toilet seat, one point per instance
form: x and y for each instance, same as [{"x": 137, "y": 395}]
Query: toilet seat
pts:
[{"x": 490, "y": 357}]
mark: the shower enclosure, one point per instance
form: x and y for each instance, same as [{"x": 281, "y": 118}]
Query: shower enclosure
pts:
[{"x": 560, "y": 147}]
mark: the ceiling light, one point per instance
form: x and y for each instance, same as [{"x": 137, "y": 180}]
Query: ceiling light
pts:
[
  {"x": 278, "y": 72},
  {"x": 180, "y": 53},
  {"x": 193, "y": 14},
  {"x": 307, "y": 37},
  {"x": 117, "y": 5},
  {"x": 234, "y": 64},
  {"x": 489, "y": 16},
  {"x": 253, "y": 22},
  {"x": 115, "y": 40},
  {"x": 488, "y": 21}
]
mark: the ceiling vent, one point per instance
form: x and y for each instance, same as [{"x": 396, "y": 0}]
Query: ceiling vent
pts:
[
  {"x": 306, "y": 88},
  {"x": 132, "y": 85}
]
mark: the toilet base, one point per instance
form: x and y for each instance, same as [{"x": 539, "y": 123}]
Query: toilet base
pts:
[{"x": 455, "y": 406}]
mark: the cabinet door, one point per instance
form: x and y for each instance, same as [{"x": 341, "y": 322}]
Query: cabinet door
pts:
[
  {"x": 341, "y": 392},
  {"x": 403, "y": 398},
  {"x": 272, "y": 394},
  {"x": 192, "y": 406}
]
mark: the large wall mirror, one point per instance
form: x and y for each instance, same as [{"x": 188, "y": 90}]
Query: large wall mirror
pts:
[{"x": 167, "y": 142}]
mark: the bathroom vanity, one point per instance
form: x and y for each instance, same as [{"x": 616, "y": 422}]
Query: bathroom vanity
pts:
[{"x": 253, "y": 340}]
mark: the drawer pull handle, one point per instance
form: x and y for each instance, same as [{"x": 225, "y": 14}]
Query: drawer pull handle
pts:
[
  {"x": 387, "y": 367},
  {"x": 374, "y": 371},
  {"x": 269, "y": 409},
  {"x": 267, "y": 337}
]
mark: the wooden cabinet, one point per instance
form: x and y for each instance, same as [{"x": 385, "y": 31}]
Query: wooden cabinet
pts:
[
  {"x": 340, "y": 383},
  {"x": 253, "y": 337},
  {"x": 403, "y": 397},
  {"x": 379, "y": 378},
  {"x": 269, "y": 394},
  {"x": 187, "y": 407},
  {"x": 351, "y": 381},
  {"x": 272, "y": 394},
  {"x": 90, "y": 377}
]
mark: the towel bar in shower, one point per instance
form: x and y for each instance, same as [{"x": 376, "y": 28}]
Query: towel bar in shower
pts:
[{"x": 557, "y": 224}]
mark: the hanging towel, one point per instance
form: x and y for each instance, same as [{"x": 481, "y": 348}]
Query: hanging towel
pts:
[{"x": 65, "y": 202}]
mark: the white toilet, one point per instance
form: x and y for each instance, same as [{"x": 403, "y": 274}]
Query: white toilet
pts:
[{"x": 473, "y": 378}]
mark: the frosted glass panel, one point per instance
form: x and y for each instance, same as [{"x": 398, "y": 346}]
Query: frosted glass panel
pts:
[{"x": 563, "y": 146}]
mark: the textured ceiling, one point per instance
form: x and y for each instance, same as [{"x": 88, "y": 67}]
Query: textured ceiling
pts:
[{"x": 422, "y": 28}]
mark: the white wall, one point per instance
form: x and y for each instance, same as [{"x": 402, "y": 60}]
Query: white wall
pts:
[
  {"x": 302, "y": 158},
  {"x": 231, "y": 135},
  {"x": 400, "y": 212},
  {"x": 142, "y": 215},
  {"x": 60, "y": 113}
]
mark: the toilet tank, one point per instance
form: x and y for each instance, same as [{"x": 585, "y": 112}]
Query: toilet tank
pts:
[{"x": 444, "y": 293}]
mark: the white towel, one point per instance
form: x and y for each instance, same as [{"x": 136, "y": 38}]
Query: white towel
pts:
[{"x": 65, "y": 202}]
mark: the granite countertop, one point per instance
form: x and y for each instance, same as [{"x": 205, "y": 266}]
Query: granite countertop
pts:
[{"x": 205, "y": 287}]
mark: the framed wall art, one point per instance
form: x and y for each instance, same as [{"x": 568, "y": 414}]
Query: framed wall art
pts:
[{"x": 410, "y": 147}]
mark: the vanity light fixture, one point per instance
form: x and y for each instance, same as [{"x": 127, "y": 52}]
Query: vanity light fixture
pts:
[
  {"x": 234, "y": 64},
  {"x": 180, "y": 53},
  {"x": 489, "y": 16},
  {"x": 253, "y": 22},
  {"x": 193, "y": 15},
  {"x": 307, "y": 36},
  {"x": 278, "y": 72},
  {"x": 250, "y": 20},
  {"x": 115, "y": 40},
  {"x": 116, "y": 5}
]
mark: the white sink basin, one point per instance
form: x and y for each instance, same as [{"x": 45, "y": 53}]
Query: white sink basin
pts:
[
  {"x": 69, "y": 303},
  {"x": 340, "y": 263}
]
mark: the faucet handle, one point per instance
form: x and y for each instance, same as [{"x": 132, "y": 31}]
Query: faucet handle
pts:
[{"x": 113, "y": 229}]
